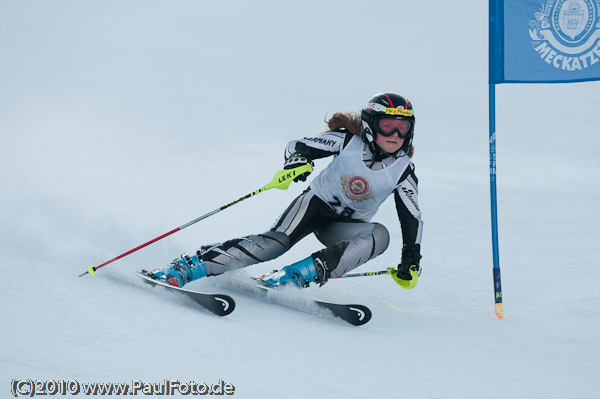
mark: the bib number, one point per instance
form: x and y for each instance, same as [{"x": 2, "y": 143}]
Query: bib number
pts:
[{"x": 341, "y": 210}]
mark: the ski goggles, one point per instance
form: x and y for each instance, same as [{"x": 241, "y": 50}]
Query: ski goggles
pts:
[{"x": 388, "y": 126}]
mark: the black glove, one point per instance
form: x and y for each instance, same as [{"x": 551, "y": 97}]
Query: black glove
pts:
[
  {"x": 411, "y": 256},
  {"x": 297, "y": 160}
]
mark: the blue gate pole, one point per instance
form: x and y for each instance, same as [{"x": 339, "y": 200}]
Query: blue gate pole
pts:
[
  {"x": 494, "y": 203},
  {"x": 496, "y": 73}
]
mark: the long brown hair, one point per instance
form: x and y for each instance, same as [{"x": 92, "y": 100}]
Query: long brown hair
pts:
[{"x": 350, "y": 122}]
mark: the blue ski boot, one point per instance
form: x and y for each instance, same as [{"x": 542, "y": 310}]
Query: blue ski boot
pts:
[
  {"x": 299, "y": 274},
  {"x": 181, "y": 271}
]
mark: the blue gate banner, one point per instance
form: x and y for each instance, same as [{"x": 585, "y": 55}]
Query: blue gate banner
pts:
[{"x": 544, "y": 41}]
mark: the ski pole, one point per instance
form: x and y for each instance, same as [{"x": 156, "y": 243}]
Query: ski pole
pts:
[
  {"x": 409, "y": 285},
  {"x": 377, "y": 273},
  {"x": 281, "y": 180}
]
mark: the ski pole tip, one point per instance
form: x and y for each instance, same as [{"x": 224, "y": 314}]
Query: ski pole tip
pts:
[
  {"x": 499, "y": 311},
  {"x": 92, "y": 270}
]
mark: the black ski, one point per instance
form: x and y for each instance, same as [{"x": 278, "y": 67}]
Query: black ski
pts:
[
  {"x": 219, "y": 304},
  {"x": 357, "y": 315}
]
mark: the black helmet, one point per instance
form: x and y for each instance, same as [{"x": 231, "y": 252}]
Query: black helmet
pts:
[{"x": 386, "y": 105}]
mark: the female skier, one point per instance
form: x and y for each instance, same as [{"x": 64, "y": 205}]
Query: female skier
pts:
[{"x": 372, "y": 159}]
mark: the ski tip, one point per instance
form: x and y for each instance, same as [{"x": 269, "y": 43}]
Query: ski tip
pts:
[
  {"x": 227, "y": 303},
  {"x": 363, "y": 315},
  {"x": 353, "y": 314}
]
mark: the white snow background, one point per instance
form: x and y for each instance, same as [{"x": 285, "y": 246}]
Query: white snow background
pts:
[{"x": 121, "y": 120}]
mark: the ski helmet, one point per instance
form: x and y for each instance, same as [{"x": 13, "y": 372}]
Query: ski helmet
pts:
[{"x": 391, "y": 106}]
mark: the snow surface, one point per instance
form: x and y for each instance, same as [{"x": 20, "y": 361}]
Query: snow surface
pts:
[{"x": 121, "y": 120}]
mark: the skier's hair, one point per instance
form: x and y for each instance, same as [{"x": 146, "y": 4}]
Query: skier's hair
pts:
[
  {"x": 350, "y": 122},
  {"x": 344, "y": 121}
]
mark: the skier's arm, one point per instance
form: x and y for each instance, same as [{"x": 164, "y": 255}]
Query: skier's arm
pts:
[
  {"x": 407, "y": 206},
  {"x": 302, "y": 152},
  {"x": 322, "y": 146},
  {"x": 409, "y": 214}
]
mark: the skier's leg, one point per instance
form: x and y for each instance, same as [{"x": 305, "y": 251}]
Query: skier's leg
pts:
[
  {"x": 212, "y": 260},
  {"x": 305, "y": 214},
  {"x": 350, "y": 244},
  {"x": 241, "y": 252},
  {"x": 302, "y": 217}
]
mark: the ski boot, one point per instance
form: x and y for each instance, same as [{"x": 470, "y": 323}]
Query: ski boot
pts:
[
  {"x": 299, "y": 274},
  {"x": 181, "y": 271}
]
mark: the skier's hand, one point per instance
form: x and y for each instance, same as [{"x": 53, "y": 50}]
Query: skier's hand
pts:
[
  {"x": 411, "y": 257},
  {"x": 297, "y": 160}
]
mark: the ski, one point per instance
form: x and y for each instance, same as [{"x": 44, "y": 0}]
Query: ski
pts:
[
  {"x": 357, "y": 315},
  {"x": 219, "y": 304},
  {"x": 354, "y": 314}
]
